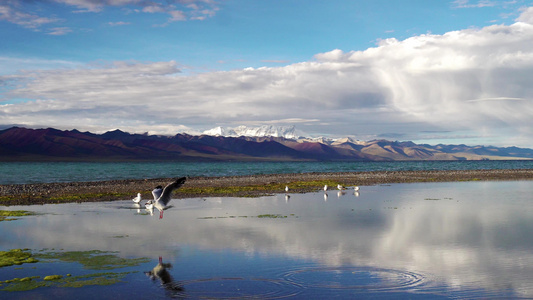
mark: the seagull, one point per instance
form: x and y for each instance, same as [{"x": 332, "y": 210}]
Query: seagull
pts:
[
  {"x": 149, "y": 205},
  {"x": 356, "y": 188},
  {"x": 137, "y": 199},
  {"x": 286, "y": 188},
  {"x": 326, "y": 188},
  {"x": 162, "y": 196},
  {"x": 340, "y": 187}
]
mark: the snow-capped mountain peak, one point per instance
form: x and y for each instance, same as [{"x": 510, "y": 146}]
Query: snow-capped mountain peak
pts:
[
  {"x": 220, "y": 131},
  {"x": 288, "y": 132}
]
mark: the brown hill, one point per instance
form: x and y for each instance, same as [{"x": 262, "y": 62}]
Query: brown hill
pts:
[{"x": 51, "y": 144}]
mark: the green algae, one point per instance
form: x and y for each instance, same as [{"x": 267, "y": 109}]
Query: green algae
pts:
[
  {"x": 7, "y": 215},
  {"x": 93, "y": 279},
  {"x": 271, "y": 216},
  {"x": 16, "y": 257},
  {"x": 52, "y": 277},
  {"x": 85, "y": 196},
  {"x": 21, "y": 284},
  {"x": 259, "y": 190},
  {"x": 94, "y": 259},
  {"x": 15, "y": 213},
  {"x": 31, "y": 283}
]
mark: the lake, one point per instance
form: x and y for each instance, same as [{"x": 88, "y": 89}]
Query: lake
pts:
[
  {"x": 41, "y": 172},
  {"x": 410, "y": 241}
]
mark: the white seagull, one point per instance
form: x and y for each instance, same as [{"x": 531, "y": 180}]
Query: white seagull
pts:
[
  {"x": 286, "y": 189},
  {"x": 340, "y": 187},
  {"x": 162, "y": 196},
  {"x": 326, "y": 188},
  {"x": 137, "y": 199}
]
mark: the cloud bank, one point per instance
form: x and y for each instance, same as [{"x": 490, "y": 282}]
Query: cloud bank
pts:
[{"x": 472, "y": 83}]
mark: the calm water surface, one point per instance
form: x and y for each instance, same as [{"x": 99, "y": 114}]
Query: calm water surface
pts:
[{"x": 425, "y": 240}]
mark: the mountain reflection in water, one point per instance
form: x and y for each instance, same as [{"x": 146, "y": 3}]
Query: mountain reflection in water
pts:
[{"x": 470, "y": 239}]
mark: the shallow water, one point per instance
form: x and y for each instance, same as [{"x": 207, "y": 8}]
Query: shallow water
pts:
[{"x": 423, "y": 240}]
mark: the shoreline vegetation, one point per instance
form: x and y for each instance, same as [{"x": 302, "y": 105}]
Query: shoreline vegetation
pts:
[{"x": 237, "y": 186}]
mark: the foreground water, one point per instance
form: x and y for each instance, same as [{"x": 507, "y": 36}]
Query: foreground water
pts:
[
  {"x": 423, "y": 240},
  {"x": 40, "y": 172}
]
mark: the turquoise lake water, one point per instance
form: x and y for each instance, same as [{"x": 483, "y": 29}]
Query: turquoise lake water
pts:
[{"x": 40, "y": 172}]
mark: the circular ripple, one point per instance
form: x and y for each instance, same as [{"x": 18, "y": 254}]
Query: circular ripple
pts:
[
  {"x": 238, "y": 288},
  {"x": 363, "y": 278}
]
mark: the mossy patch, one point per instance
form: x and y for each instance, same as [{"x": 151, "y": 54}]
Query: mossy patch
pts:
[
  {"x": 15, "y": 213},
  {"x": 83, "y": 197},
  {"x": 21, "y": 284},
  {"x": 93, "y": 279},
  {"x": 94, "y": 260},
  {"x": 16, "y": 257},
  {"x": 271, "y": 216},
  {"x": 30, "y": 283},
  {"x": 7, "y": 215},
  {"x": 52, "y": 277},
  {"x": 258, "y": 190}
]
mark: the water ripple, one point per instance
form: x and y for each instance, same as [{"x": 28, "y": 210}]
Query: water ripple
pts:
[{"x": 356, "y": 278}]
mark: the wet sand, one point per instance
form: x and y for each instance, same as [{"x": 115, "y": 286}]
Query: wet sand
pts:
[{"x": 235, "y": 186}]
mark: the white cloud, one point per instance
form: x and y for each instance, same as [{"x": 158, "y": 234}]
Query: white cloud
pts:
[
  {"x": 12, "y": 12},
  {"x": 177, "y": 15},
  {"x": 20, "y": 12},
  {"x": 526, "y": 16},
  {"x": 473, "y": 4},
  {"x": 59, "y": 31},
  {"x": 120, "y": 23},
  {"x": 423, "y": 83}
]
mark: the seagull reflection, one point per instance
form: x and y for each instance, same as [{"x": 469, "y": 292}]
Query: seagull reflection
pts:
[
  {"x": 287, "y": 198},
  {"x": 340, "y": 194},
  {"x": 160, "y": 272},
  {"x": 162, "y": 196},
  {"x": 325, "y": 197},
  {"x": 138, "y": 207}
]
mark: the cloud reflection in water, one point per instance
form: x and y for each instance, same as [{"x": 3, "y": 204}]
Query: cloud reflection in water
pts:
[{"x": 467, "y": 235}]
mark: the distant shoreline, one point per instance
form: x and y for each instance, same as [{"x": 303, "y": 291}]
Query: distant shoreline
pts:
[{"x": 237, "y": 186}]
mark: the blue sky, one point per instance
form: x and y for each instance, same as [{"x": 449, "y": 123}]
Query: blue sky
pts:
[
  {"x": 241, "y": 33},
  {"x": 450, "y": 71}
]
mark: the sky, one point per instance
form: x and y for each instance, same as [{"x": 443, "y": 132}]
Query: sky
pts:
[{"x": 440, "y": 71}]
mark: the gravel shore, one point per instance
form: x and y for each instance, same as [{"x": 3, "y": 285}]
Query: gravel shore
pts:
[{"x": 239, "y": 186}]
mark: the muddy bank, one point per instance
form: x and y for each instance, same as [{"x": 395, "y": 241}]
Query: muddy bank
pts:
[{"x": 239, "y": 186}]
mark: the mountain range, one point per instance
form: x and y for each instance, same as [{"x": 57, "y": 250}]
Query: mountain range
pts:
[{"x": 23, "y": 144}]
